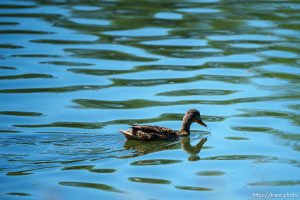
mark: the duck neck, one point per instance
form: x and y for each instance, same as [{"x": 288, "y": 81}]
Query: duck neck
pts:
[{"x": 185, "y": 127}]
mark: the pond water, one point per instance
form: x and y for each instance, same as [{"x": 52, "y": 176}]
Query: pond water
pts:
[{"x": 72, "y": 73}]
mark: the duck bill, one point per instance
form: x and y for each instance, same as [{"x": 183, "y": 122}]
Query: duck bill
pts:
[{"x": 199, "y": 121}]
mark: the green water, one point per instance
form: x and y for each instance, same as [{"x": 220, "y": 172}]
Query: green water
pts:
[{"x": 72, "y": 73}]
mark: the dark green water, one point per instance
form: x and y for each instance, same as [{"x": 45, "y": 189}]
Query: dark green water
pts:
[{"x": 72, "y": 73}]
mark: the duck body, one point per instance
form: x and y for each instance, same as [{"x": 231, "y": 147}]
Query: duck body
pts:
[{"x": 149, "y": 133}]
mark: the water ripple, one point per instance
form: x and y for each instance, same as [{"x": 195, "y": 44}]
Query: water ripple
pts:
[
  {"x": 148, "y": 180},
  {"x": 97, "y": 186},
  {"x": 143, "y": 32}
]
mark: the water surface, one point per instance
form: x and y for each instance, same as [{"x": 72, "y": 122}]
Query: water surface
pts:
[{"x": 72, "y": 73}]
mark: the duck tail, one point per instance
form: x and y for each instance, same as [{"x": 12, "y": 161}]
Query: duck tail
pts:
[{"x": 127, "y": 134}]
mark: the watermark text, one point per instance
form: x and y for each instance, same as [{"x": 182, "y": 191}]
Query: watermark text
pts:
[{"x": 271, "y": 195}]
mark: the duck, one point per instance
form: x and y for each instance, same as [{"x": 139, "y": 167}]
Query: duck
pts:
[{"x": 149, "y": 133}]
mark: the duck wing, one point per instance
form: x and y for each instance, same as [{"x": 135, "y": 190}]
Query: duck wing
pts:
[
  {"x": 152, "y": 129},
  {"x": 145, "y": 132}
]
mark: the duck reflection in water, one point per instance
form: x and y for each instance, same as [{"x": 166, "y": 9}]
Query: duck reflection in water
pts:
[
  {"x": 193, "y": 151},
  {"x": 143, "y": 148}
]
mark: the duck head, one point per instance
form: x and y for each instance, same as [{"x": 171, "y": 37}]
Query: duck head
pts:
[
  {"x": 191, "y": 116},
  {"x": 195, "y": 117}
]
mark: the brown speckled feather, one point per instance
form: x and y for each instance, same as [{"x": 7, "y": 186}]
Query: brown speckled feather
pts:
[{"x": 145, "y": 132}]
